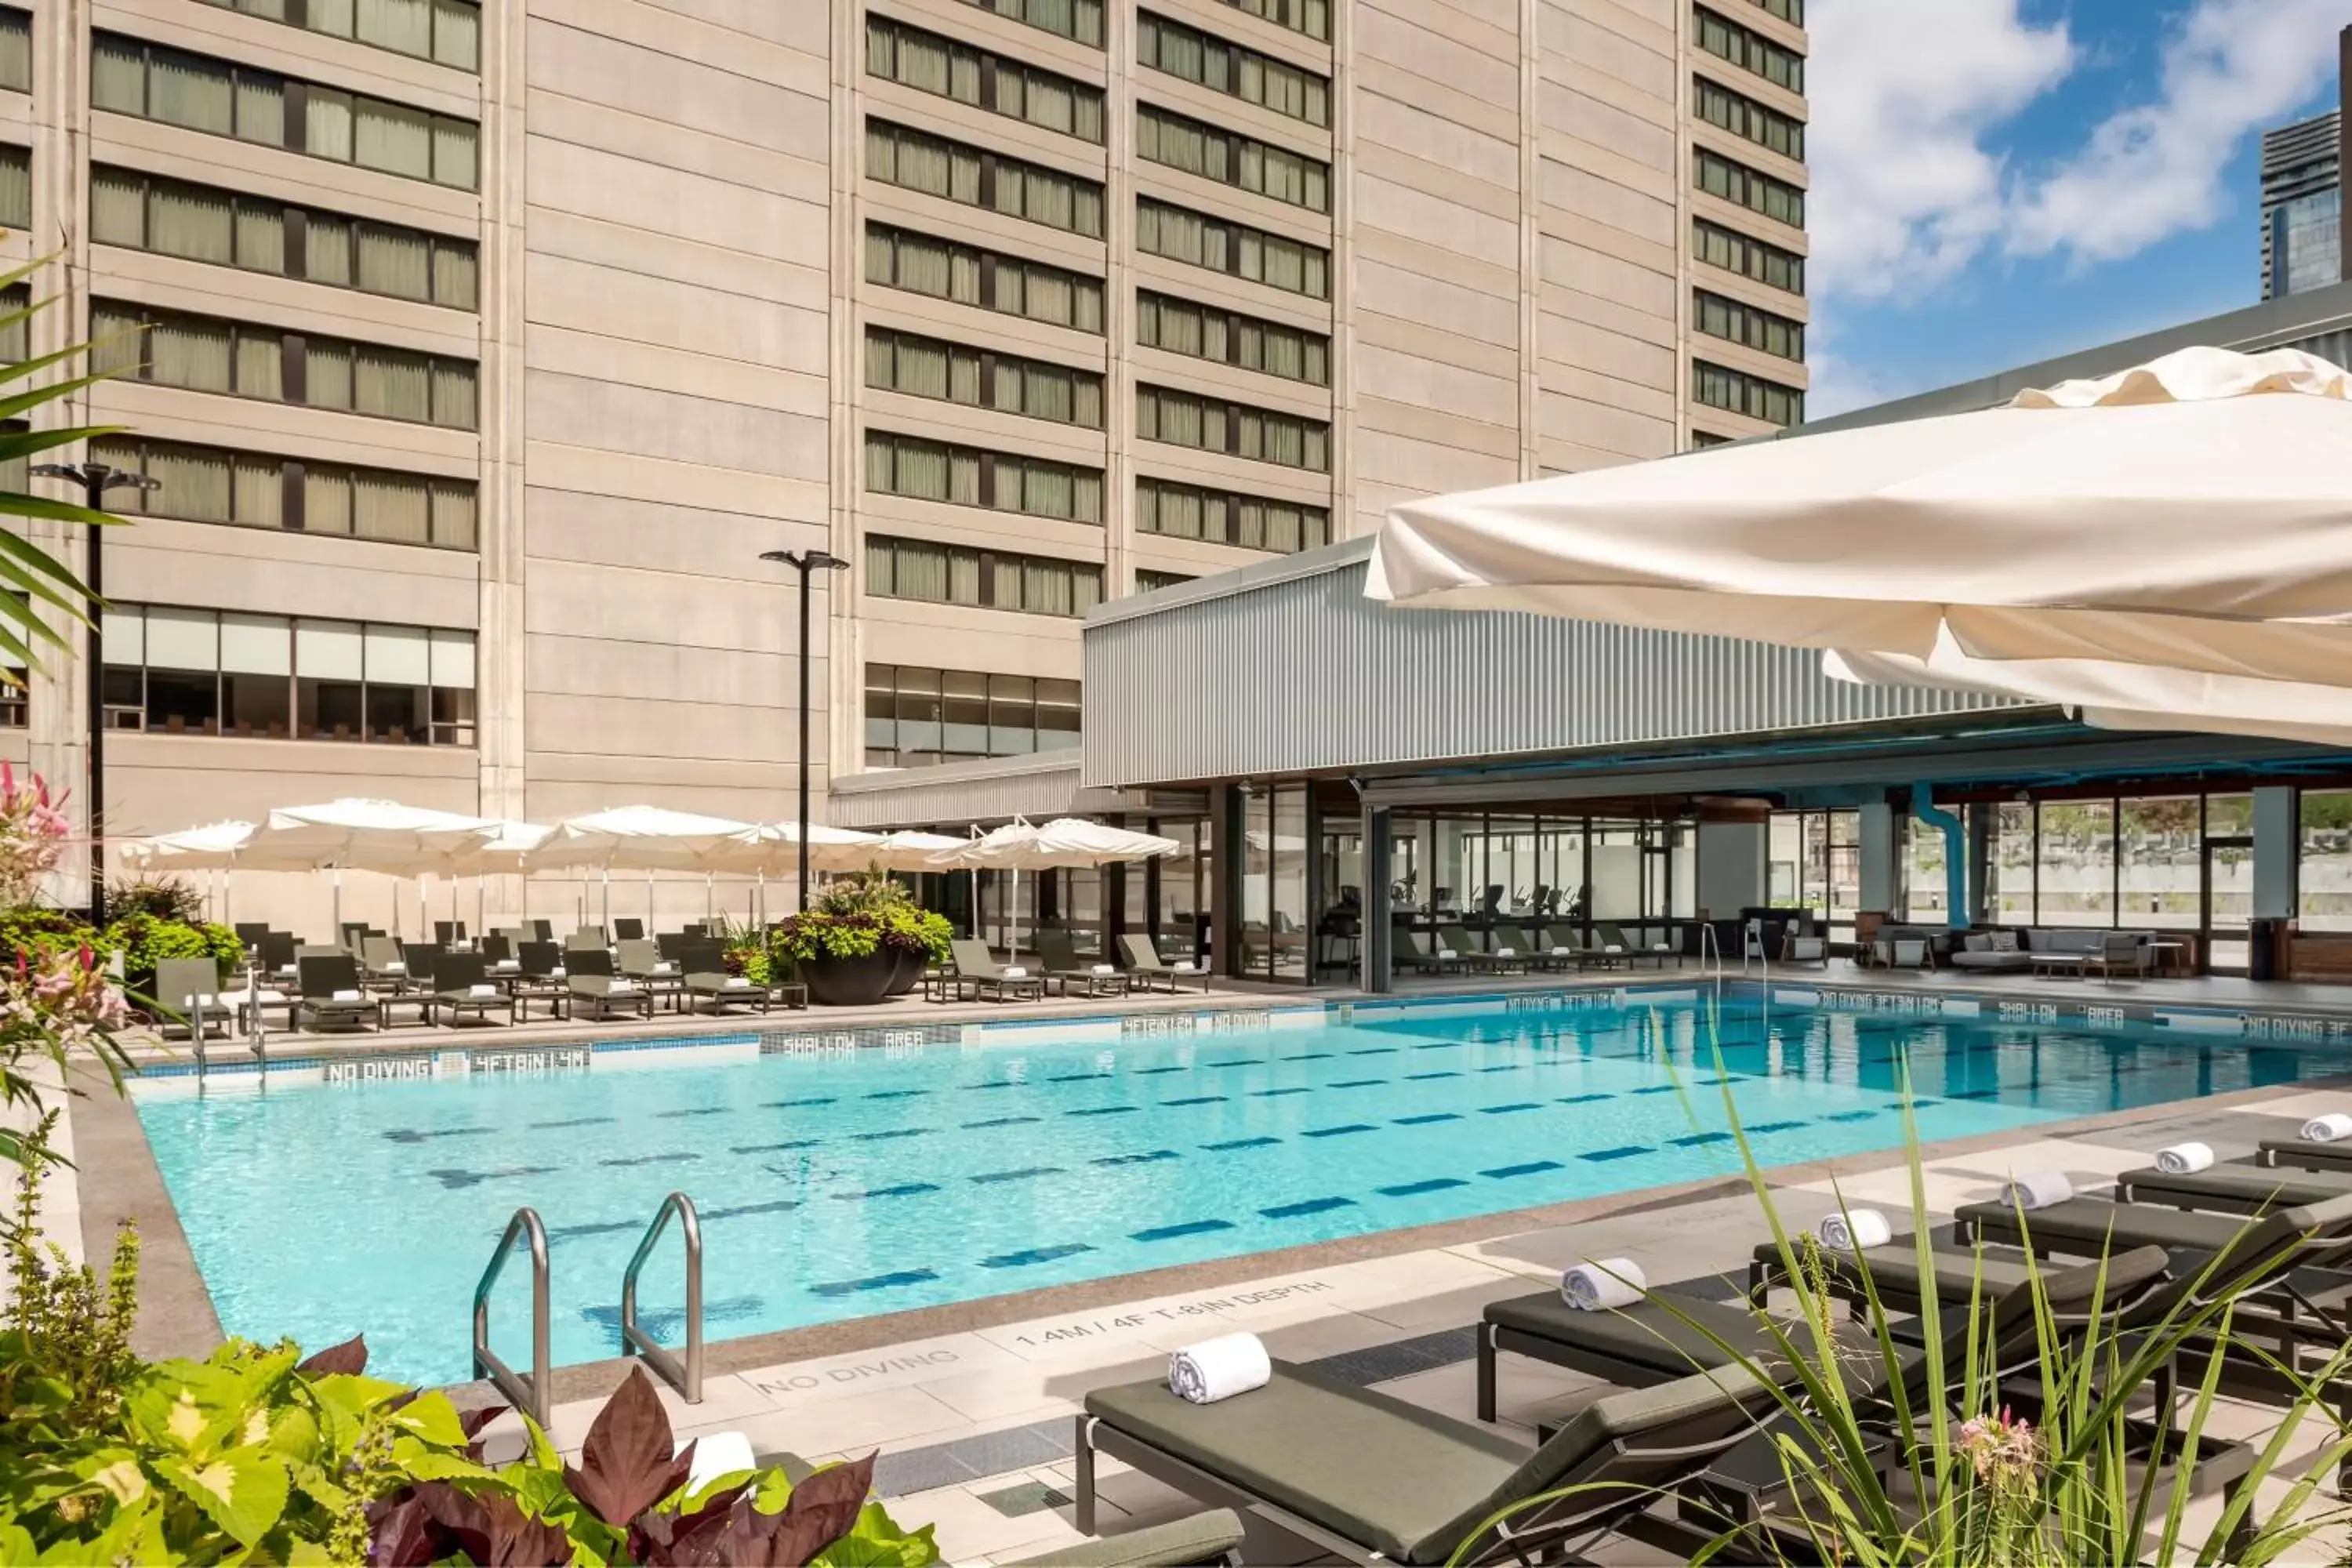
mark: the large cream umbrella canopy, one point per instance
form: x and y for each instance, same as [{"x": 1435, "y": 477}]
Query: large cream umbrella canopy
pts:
[
  {"x": 642, "y": 838},
  {"x": 2193, "y": 514},
  {"x": 355, "y": 834},
  {"x": 1064, "y": 841},
  {"x": 212, "y": 848},
  {"x": 907, "y": 850},
  {"x": 774, "y": 847}
]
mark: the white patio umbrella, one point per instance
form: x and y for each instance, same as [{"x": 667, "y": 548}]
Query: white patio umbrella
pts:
[
  {"x": 1066, "y": 841},
  {"x": 774, "y": 849},
  {"x": 359, "y": 835},
  {"x": 213, "y": 847},
  {"x": 2193, "y": 515},
  {"x": 642, "y": 838},
  {"x": 506, "y": 851},
  {"x": 907, "y": 850}
]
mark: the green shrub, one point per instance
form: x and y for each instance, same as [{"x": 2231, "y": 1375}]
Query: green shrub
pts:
[
  {"x": 165, "y": 898},
  {"x": 144, "y": 941}
]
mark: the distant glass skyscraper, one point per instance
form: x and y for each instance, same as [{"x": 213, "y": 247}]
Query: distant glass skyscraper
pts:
[{"x": 2302, "y": 205}]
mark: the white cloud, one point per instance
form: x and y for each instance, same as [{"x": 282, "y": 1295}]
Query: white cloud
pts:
[
  {"x": 1836, "y": 383},
  {"x": 2154, "y": 170},
  {"x": 1903, "y": 94}
]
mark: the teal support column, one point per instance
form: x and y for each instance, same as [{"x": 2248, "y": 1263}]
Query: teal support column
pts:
[
  {"x": 1956, "y": 851},
  {"x": 2278, "y": 853}
]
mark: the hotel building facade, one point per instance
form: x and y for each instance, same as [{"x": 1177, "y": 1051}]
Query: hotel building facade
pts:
[{"x": 479, "y": 350}]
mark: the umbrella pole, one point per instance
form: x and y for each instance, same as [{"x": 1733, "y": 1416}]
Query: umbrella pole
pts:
[
  {"x": 607, "y": 916},
  {"x": 339, "y": 903},
  {"x": 649, "y": 897}
]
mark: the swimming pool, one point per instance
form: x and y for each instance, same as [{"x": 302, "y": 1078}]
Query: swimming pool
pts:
[{"x": 837, "y": 1184}]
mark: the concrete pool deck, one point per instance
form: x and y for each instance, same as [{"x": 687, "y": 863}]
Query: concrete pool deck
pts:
[{"x": 969, "y": 1404}]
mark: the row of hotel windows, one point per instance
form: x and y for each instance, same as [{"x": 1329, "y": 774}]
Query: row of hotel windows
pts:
[
  {"x": 953, "y": 171},
  {"x": 982, "y": 579},
  {"x": 207, "y": 672},
  {"x": 929, "y": 62},
  {"x": 1744, "y": 117},
  {"x": 915, "y": 718},
  {"x": 922, "y": 469},
  {"x": 199, "y": 93},
  {"x": 1717, "y": 386},
  {"x": 1736, "y": 183},
  {"x": 1736, "y": 252},
  {"x": 1751, "y": 51},
  {"x": 202, "y": 353},
  {"x": 251, "y": 489},
  {"x": 1739, "y": 322},
  {"x": 448, "y": 32},
  {"x": 1083, "y": 19},
  {"x": 201, "y": 223}
]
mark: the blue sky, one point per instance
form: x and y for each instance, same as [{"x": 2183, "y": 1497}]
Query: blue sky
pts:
[{"x": 1996, "y": 181}]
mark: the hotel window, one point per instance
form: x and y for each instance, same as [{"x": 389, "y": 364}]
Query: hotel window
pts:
[
  {"x": 1790, "y": 11},
  {"x": 1741, "y": 393},
  {"x": 204, "y": 353},
  {"x": 915, "y": 161},
  {"x": 1188, "y": 512},
  {"x": 1229, "y": 67},
  {"x": 968, "y": 475},
  {"x": 1752, "y": 52},
  {"x": 1202, "y": 331},
  {"x": 1744, "y": 117},
  {"x": 1736, "y": 183},
  {"x": 1213, "y": 425},
  {"x": 206, "y": 672},
  {"x": 1736, "y": 252},
  {"x": 1244, "y": 163},
  {"x": 16, "y": 187},
  {"x": 1734, "y": 322},
  {"x": 1236, "y": 249},
  {"x": 15, "y": 49},
  {"x": 1702, "y": 439},
  {"x": 1312, "y": 17},
  {"x": 982, "y": 579},
  {"x": 448, "y": 32},
  {"x": 2323, "y": 886},
  {"x": 946, "y": 269},
  {"x": 919, "y": 718},
  {"x": 982, "y": 378},
  {"x": 930, "y": 63},
  {"x": 1078, "y": 19},
  {"x": 252, "y": 489},
  {"x": 198, "y": 93},
  {"x": 1150, "y": 582},
  {"x": 201, "y": 223}
]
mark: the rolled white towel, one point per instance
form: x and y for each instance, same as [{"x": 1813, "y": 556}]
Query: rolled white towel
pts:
[
  {"x": 345, "y": 995},
  {"x": 1106, "y": 969},
  {"x": 1853, "y": 1230},
  {"x": 2036, "y": 1190},
  {"x": 1016, "y": 972},
  {"x": 2333, "y": 1128},
  {"x": 2184, "y": 1159},
  {"x": 1189, "y": 967},
  {"x": 1598, "y": 1287},
  {"x": 481, "y": 990},
  {"x": 1507, "y": 952},
  {"x": 1219, "y": 1369},
  {"x": 738, "y": 982},
  {"x": 1563, "y": 951}
]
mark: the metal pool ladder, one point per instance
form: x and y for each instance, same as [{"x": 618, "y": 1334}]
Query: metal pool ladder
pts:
[
  {"x": 530, "y": 1394},
  {"x": 686, "y": 1375}
]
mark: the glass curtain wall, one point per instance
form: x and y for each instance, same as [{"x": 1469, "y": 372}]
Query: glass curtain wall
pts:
[
  {"x": 2325, "y": 854},
  {"x": 1520, "y": 873},
  {"x": 1813, "y": 860}
]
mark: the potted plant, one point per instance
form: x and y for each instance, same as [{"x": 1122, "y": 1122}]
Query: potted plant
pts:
[
  {"x": 906, "y": 934},
  {"x": 840, "y": 958}
]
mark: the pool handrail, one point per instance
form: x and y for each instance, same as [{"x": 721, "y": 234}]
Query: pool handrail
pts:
[
  {"x": 685, "y": 1375},
  {"x": 530, "y": 1394}
]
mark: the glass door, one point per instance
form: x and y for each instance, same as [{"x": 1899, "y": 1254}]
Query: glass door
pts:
[{"x": 2229, "y": 903}]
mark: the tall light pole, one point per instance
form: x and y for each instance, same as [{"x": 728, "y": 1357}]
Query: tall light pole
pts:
[
  {"x": 807, "y": 562},
  {"x": 96, "y": 479}
]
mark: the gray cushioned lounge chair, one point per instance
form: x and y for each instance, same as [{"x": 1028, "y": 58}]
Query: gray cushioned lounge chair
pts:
[
  {"x": 1372, "y": 1478},
  {"x": 1468, "y": 955},
  {"x": 1059, "y": 957},
  {"x": 977, "y": 967},
  {"x": 187, "y": 990},
  {"x": 462, "y": 985},
  {"x": 2233, "y": 1188},
  {"x": 591, "y": 986},
  {"x": 1193, "y": 1542},
  {"x": 708, "y": 983},
  {"x": 1144, "y": 963},
  {"x": 330, "y": 994}
]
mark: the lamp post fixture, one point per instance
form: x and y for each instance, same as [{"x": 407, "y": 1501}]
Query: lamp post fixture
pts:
[
  {"x": 96, "y": 479},
  {"x": 807, "y": 562}
]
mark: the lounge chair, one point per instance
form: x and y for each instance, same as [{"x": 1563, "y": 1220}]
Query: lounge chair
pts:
[
  {"x": 2231, "y": 1188},
  {"x": 1469, "y": 955},
  {"x": 2120, "y": 952},
  {"x": 1613, "y": 938},
  {"x": 1144, "y": 963},
  {"x": 278, "y": 951},
  {"x": 1368, "y": 1477},
  {"x": 1651, "y": 1342},
  {"x": 382, "y": 965},
  {"x": 1910, "y": 952},
  {"x": 977, "y": 967},
  {"x": 449, "y": 933},
  {"x": 1813, "y": 950},
  {"x": 250, "y": 934},
  {"x": 2302, "y": 1155},
  {"x": 331, "y": 995},
  {"x": 672, "y": 944},
  {"x": 1062, "y": 964},
  {"x": 498, "y": 948},
  {"x": 187, "y": 992},
  {"x": 540, "y": 976},
  {"x": 707, "y": 982},
  {"x": 642, "y": 963},
  {"x": 589, "y": 982},
  {"x": 462, "y": 985},
  {"x": 1529, "y": 949},
  {"x": 543, "y": 931},
  {"x": 1405, "y": 952},
  {"x": 1193, "y": 1542},
  {"x": 627, "y": 930}
]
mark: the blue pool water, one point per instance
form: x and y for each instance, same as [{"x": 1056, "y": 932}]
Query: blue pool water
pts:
[{"x": 837, "y": 1185}]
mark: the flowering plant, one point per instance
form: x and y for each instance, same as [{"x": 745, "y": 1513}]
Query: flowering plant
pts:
[
  {"x": 52, "y": 1005},
  {"x": 33, "y": 835}
]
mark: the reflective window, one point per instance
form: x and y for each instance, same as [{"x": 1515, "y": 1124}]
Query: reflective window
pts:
[
  {"x": 930, "y": 63},
  {"x": 1736, "y": 321},
  {"x": 1749, "y": 51},
  {"x": 1719, "y": 386},
  {"x": 919, "y": 717},
  {"x": 1224, "y": 67},
  {"x": 1744, "y": 118},
  {"x": 204, "y": 353},
  {"x": 918, "y": 161},
  {"x": 1078, "y": 19},
  {"x": 1736, "y": 252},
  {"x": 448, "y": 32},
  {"x": 2326, "y": 882},
  {"x": 971, "y": 476},
  {"x": 982, "y": 378},
  {"x": 983, "y": 579},
  {"x": 250, "y": 490},
  {"x": 1736, "y": 183},
  {"x": 1189, "y": 511},
  {"x": 1196, "y": 147},
  {"x": 1214, "y": 425},
  {"x": 1196, "y": 239},
  {"x": 1009, "y": 284},
  {"x": 1228, "y": 337}
]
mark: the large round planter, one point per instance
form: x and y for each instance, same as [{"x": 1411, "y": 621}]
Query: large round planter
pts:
[
  {"x": 850, "y": 982},
  {"x": 908, "y": 969}
]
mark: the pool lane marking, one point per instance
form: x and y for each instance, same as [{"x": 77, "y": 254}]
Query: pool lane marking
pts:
[
  {"x": 876, "y": 1282},
  {"x": 1021, "y": 1176},
  {"x": 1533, "y": 1167},
  {"x": 1339, "y": 1132},
  {"x": 1032, "y": 1254},
  {"x": 1240, "y": 1143},
  {"x": 1311, "y": 1205},
  {"x": 1425, "y": 1118},
  {"x": 1625, "y": 1152},
  {"x": 903, "y": 1190},
  {"x": 1190, "y": 1227},
  {"x": 1413, "y": 1189}
]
